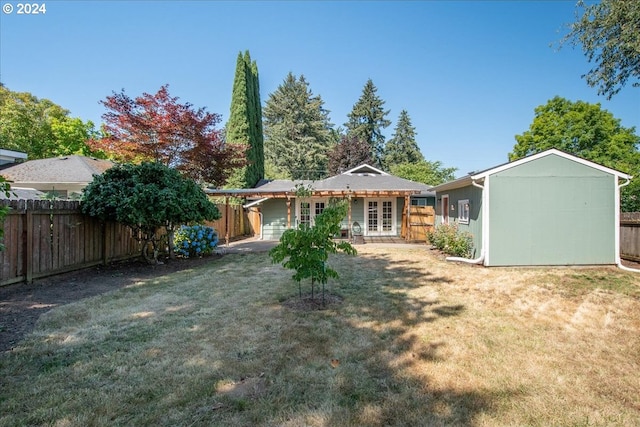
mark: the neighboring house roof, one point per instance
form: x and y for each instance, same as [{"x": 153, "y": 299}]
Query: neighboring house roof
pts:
[
  {"x": 363, "y": 179},
  {"x": 17, "y": 193},
  {"x": 481, "y": 175},
  {"x": 67, "y": 169},
  {"x": 11, "y": 156}
]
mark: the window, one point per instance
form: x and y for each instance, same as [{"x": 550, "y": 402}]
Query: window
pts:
[
  {"x": 419, "y": 201},
  {"x": 463, "y": 211},
  {"x": 305, "y": 213},
  {"x": 319, "y": 207}
]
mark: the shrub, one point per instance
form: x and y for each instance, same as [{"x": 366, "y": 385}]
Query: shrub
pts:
[
  {"x": 195, "y": 240},
  {"x": 451, "y": 241}
]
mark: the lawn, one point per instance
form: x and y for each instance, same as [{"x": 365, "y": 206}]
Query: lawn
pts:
[{"x": 406, "y": 340}]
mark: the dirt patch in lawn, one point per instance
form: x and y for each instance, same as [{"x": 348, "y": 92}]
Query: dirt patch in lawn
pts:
[
  {"x": 307, "y": 303},
  {"x": 22, "y": 304}
]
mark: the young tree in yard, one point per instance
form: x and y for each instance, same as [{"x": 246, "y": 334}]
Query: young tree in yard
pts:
[
  {"x": 426, "y": 172},
  {"x": 158, "y": 128},
  {"x": 146, "y": 197},
  {"x": 349, "y": 153},
  {"x": 244, "y": 128},
  {"x": 367, "y": 119},
  {"x": 609, "y": 33},
  {"x": 307, "y": 248},
  {"x": 297, "y": 130},
  {"x": 402, "y": 147},
  {"x": 587, "y": 131}
]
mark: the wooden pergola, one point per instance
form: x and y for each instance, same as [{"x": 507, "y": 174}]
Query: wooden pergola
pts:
[{"x": 290, "y": 194}]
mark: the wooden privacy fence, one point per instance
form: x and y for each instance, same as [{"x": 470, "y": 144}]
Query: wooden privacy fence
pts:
[
  {"x": 630, "y": 235},
  {"x": 44, "y": 237},
  {"x": 421, "y": 220}
]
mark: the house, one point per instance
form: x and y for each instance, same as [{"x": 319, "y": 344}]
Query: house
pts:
[
  {"x": 9, "y": 157},
  {"x": 551, "y": 208},
  {"x": 64, "y": 177},
  {"x": 379, "y": 203}
]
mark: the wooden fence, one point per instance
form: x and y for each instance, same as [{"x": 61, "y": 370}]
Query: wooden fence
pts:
[
  {"x": 43, "y": 238},
  {"x": 630, "y": 236}
]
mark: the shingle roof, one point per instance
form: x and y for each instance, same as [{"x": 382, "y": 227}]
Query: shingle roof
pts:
[{"x": 68, "y": 169}]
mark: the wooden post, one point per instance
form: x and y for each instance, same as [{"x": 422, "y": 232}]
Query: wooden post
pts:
[
  {"x": 288, "y": 213},
  {"x": 28, "y": 254},
  {"x": 349, "y": 221},
  {"x": 407, "y": 203},
  {"x": 226, "y": 220}
]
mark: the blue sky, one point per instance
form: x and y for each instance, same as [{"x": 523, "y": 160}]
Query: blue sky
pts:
[{"x": 470, "y": 74}]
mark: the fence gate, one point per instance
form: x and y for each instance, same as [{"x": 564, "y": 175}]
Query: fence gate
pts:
[{"x": 421, "y": 220}]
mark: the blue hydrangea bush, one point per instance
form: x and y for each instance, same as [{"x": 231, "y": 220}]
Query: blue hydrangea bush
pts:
[{"x": 195, "y": 240}]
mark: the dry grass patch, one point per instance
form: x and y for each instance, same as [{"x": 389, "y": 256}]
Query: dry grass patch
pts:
[{"x": 408, "y": 340}]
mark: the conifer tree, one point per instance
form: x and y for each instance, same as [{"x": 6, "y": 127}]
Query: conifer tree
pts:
[
  {"x": 297, "y": 131},
  {"x": 245, "y": 122},
  {"x": 402, "y": 147},
  {"x": 367, "y": 120}
]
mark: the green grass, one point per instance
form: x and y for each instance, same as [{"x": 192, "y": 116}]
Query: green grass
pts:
[{"x": 414, "y": 341}]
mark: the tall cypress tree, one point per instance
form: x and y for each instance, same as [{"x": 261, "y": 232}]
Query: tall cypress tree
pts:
[
  {"x": 402, "y": 147},
  {"x": 367, "y": 120},
  {"x": 245, "y": 122}
]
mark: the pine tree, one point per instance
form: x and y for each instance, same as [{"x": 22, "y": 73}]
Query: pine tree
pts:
[
  {"x": 402, "y": 147},
  {"x": 367, "y": 120},
  {"x": 297, "y": 131},
  {"x": 245, "y": 122}
]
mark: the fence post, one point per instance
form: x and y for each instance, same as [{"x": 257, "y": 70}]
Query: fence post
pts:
[{"x": 28, "y": 254}]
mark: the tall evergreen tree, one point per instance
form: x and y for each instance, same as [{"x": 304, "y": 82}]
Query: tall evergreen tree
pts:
[
  {"x": 367, "y": 120},
  {"x": 245, "y": 122},
  {"x": 402, "y": 147},
  {"x": 297, "y": 131}
]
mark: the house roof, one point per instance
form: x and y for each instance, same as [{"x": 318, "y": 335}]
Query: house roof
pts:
[
  {"x": 67, "y": 169},
  {"x": 364, "y": 180},
  {"x": 17, "y": 193},
  {"x": 467, "y": 180}
]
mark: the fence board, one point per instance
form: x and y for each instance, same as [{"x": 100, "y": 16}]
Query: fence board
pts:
[{"x": 630, "y": 236}]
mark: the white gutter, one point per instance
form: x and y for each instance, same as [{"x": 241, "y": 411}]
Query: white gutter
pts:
[
  {"x": 485, "y": 236},
  {"x": 617, "y": 243}
]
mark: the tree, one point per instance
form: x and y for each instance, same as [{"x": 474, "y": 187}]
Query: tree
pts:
[
  {"x": 367, "y": 119},
  {"x": 586, "y": 131},
  {"x": 402, "y": 147},
  {"x": 244, "y": 127},
  {"x": 349, "y": 153},
  {"x": 158, "y": 128},
  {"x": 40, "y": 128},
  {"x": 426, "y": 172},
  {"x": 609, "y": 33},
  {"x": 297, "y": 130},
  {"x": 307, "y": 248},
  {"x": 146, "y": 197}
]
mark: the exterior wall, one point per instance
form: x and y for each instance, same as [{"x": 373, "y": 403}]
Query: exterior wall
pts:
[
  {"x": 474, "y": 195},
  {"x": 552, "y": 211},
  {"x": 274, "y": 218}
]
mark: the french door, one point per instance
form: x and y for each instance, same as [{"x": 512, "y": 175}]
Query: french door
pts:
[{"x": 380, "y": 217}]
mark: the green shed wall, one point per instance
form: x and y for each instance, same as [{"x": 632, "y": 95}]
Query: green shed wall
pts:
[
  {"x": 274, "y": 218},
  {"x": 474, "y": 195},
  {"x": 552, "y": 211}
]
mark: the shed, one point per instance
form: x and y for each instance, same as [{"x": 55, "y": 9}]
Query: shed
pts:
[{"x": 550, "y": 208}]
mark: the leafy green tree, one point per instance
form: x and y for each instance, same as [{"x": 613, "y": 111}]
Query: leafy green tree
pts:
[
  {"x": 39, "y": 127},
  {"x": 307, "y": 248},
  {"x": 367, "y": 120},
  {"x": 587, "y": 131},
  {"x": 146, "y": 197},
  {"x": 297, "y": 131},
  {"x": 609, "y": 33},
  {"x": 402, "y": 147},
  {"x": 426, "y": 172},
  {"x": 245, "y": 123}
]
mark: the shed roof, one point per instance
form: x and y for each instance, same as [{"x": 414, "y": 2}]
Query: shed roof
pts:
[
  {"x": 467, "y": 180},
  {"x": 67, "y": 169}
]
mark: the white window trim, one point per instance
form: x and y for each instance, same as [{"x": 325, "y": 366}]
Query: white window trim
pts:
[
  {"x": 463, "y": 211},
  {"x": 394, "y": 229},
  {"x": 312, "y": 202},
  {"x": 444, "y": 209}
]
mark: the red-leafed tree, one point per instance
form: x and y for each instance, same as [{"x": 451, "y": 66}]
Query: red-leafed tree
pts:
[
  {"x": 348, "y": 153},
  {"x": 159, "y": 128}
]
